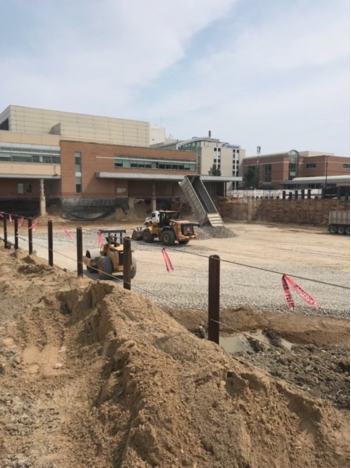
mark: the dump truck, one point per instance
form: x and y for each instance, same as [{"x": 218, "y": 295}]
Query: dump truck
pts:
[
  {"x": 166, "y": 227},
  {"x": 339, "y": 222},
  {"x": 108, "y": 261}
]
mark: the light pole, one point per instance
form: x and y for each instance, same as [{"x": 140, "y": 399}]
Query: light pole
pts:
[{"x": 326, "y": 171}]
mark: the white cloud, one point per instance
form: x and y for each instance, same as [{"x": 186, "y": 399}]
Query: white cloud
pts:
[
  {"x": 266, "y": 77},
  {"x": 105, "y": 52}
]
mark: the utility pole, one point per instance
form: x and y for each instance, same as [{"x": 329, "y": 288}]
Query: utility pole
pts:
[{"x": 326, "y": 170}]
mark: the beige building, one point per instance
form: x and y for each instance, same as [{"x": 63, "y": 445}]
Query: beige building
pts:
[
  {"x": 212, "y": 154},
  {"x": 39, "y": 124}
]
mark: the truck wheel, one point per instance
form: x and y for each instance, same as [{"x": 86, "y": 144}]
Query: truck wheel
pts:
[
  {"x": 105, "y": 268},
  {"x": 147, "y": 236},
  {"x": 341, "y": 229},
  {"x": 184, "y": 242},
  {"x": 134, "y": 268},
  {"x": 333, "y": 229},
  {"x": 347, "y": 230},
  {"x": 168, "y": 237}
]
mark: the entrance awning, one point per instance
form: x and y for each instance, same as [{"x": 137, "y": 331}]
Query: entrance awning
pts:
[
  {"x": 162, "y": 177},
  {"x": 29, "y": 176}
]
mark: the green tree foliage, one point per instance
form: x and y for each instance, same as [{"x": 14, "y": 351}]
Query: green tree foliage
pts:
[
  {"x": 214, "y": 171},
  {"x": 250, "y": 178}
]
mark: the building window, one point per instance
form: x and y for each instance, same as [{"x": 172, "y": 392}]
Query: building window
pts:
[
  {"x": 24, "y": 188},
  {"x": 143, "y": 163},
  {"x": 293, "y": 164},
  {"x": 78, "y": 161},
  {"x": 310, "y": 165},
  {"x": 346, "y": 166},
  {"x": 78, "y": 184},
  {"x": 268, "y": 172}
]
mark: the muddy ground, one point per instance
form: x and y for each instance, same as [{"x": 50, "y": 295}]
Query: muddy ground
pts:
[
  {"x": 314, "y": 354},
  {"x": 92, "y": 375}
]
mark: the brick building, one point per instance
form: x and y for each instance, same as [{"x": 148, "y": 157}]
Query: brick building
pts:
[
  {"x": 87, "y": 163},
  {"x": 277, "y": 171}
]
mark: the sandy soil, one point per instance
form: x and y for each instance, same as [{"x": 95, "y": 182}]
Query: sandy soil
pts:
[{"x": 96, "y": 376}]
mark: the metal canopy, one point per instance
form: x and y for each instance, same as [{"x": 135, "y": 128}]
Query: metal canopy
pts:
[
  {"x": 28, "y": 176},
  {"x": 165, "y": 177}
]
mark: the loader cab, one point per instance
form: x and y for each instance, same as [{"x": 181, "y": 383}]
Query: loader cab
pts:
[{"x": 166, "y": 216}]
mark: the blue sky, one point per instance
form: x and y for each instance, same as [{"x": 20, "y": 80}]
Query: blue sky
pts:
[{"x": 269, "y": 73}]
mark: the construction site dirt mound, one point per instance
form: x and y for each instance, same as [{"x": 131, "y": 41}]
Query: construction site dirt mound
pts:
[{"x": 93, "y": 375}]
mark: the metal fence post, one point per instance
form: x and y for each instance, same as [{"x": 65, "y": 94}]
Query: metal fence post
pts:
[
  {"x": 15, "y": 223},
  {"x": 127, "y": 263},
  {"x": 50, "y": 244},
  {"x": 5, "y": 232},
  {"x": 30, "y": 236},
  {"x": 79, "y": 251},
  {"x": 213, "y": 298}
]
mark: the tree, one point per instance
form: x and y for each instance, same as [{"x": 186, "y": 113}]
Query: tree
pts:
[
  {"x": 214, "y": 171},
  {"x": 250, "y": 178}
]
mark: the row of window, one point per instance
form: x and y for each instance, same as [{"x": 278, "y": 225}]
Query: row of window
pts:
[
  {"x": 314, "y": 165},
  {"x": 154, "y": 164},
  {"x": 26, "y": 158}
]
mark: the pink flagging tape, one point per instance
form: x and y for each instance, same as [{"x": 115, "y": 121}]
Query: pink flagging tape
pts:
[
  {"x": 302, "y": 293},
  {"x": 167, "y": 260},
  {"x": 35, "y": 224},
  {"x": 288, "y": 297},
  {"x": 100, "y": 238},
  {"x": 20, "y": 223},
  {"x": 66, "y": 231}
]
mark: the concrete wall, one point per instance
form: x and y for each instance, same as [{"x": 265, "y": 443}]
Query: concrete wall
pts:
[
  {"x": 38, "y": 169},
  {"x": 77, "y": 126},
  {"x": 29, "y": 138}
]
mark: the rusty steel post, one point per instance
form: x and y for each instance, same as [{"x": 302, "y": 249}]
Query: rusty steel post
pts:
[
  {"x": 15, "y": 223},
  {"x": 213, "y": 298},
  {"x": 79, "y": 251},
  {"x": 5, "y": 232},
  {"x": 30, "y": 236},
  {"x": 50, "y": 243},
  {"x": 127, "y": 263}
]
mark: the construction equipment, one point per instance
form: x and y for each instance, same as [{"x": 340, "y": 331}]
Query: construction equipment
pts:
[
  {"x": 339, "y": 222},
  {"x": 108, "y": 261},
  {"x": 167, "y": 227},
  {"x": 200, "y": 201}
]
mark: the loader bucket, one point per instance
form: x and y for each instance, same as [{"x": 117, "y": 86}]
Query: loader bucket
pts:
[{"x": 137, "y": 233}]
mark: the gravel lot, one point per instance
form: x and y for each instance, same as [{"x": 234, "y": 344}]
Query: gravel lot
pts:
[{"x": 253, "y": 258}]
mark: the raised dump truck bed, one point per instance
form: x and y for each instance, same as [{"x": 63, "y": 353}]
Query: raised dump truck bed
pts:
[{"x": 339, "y": 222}]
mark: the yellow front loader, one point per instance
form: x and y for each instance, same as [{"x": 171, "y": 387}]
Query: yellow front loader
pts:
[{"x": 166, "y": 227}]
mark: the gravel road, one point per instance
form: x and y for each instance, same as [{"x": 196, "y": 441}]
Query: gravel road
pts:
[{"x": 253, "y": 258}]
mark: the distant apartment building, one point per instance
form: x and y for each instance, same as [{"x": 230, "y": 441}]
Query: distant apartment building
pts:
[
  {"x": 310, "y": 169},
  {"x": 86, "y": 163}
]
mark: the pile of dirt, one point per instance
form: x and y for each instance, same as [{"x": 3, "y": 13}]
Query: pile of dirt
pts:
[{"x": 93, "y": 375}]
